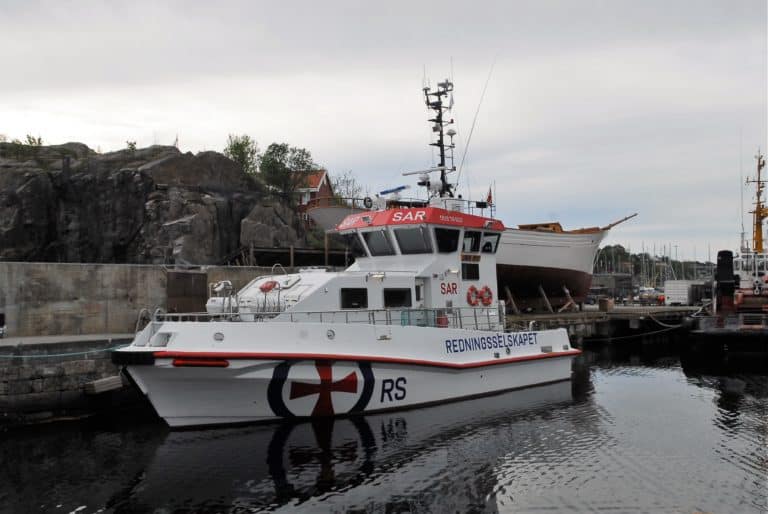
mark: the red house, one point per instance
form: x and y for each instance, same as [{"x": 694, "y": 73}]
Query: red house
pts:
[{"x": 317, "y": 193}]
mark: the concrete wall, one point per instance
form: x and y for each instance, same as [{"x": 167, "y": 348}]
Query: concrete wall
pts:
[
  {"x": 56, "y": 298},
  {"x": 40, "y": 298}
]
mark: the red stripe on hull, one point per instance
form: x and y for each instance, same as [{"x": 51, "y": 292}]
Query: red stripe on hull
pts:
[
  {"x": 196, "y": 362},
  {"x": 391, "y": 360}
]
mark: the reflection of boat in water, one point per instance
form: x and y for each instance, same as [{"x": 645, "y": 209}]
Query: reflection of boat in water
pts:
[
  {"x": 292, "y": 464},
  {"x": 697, "y": 363}
]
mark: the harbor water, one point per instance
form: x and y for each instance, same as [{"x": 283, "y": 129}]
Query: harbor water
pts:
[{"x": 649, "y": 426}]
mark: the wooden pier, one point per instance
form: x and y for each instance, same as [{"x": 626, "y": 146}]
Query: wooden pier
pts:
[{"x": 621, "y": 322}]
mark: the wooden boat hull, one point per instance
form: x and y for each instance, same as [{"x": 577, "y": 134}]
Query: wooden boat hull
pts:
[
  {"x": 525, "y": 282},
  {"x": 530, "y": 260}
]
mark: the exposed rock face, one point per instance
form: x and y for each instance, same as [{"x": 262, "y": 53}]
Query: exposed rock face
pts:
[
  {"x": 269, "y": 225},
  {"x": 151, "y": 205}
]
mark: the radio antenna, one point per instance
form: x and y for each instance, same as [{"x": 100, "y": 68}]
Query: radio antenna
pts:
[{"x": 474, "y": 121}]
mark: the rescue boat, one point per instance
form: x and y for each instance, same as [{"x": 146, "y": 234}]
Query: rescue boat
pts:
[{"x": 416, "y": 320}]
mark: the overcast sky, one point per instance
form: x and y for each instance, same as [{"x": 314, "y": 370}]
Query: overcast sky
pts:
[{"x": 594, "y": 109}]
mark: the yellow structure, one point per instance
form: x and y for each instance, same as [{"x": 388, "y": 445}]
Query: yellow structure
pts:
[{"x": 761, "y": 211}]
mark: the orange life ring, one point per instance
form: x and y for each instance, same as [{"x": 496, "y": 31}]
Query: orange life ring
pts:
[
  {"x": 268, "y": 286},
  {"x": 473, "y": 296},
  {"x": 486, "y": 296}
]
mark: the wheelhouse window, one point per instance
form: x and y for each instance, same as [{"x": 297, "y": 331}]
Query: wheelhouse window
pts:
[
  {"x": 471, "y": 241},
  {"x": 490, "y": 242},
  {"x": 354, "y": 298},
  {"x": 413, "y": 240},
  {"x": 356, "y": 248},
  {"x": 379, "y": 243},
  {"x": 470, "y": 271},
  {"x": 447, "y": 240},
  {"x": 397, "y": 297}
]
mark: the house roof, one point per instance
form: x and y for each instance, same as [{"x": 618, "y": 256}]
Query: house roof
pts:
[{"x": 314, "y": 180}]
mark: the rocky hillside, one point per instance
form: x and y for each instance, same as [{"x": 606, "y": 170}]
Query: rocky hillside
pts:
[{"x": 152, "y": 205}]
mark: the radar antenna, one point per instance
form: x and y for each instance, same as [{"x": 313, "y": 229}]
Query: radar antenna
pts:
[{"x": 434, "y": 101}]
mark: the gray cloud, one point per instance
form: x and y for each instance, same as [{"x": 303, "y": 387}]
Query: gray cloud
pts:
[
  {"x": 81, "y": 43},
  {"x": 595, "y": 109}
]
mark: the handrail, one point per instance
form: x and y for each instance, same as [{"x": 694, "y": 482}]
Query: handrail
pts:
[
  {"x": 468, "y": 206},
  {"x": 336, "y": 201},
  {"x": 142, "y": 319},
  {"x": 474, "y": 318},
  {"x": 281, "y": 267}
]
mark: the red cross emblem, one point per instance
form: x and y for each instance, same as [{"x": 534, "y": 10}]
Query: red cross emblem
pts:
[{"x": 324, "y": 405}]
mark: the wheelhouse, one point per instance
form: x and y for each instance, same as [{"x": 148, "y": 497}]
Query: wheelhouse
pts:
[{"x": 449, "y": 256}]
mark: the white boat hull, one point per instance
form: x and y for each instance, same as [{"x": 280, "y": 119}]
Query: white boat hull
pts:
[
  {"x": 223, "y": 385},
  {"x": 252, "y": 393},
  {"x": 530, "y": 259}
]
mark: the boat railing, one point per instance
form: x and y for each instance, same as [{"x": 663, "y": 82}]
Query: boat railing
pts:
[
  {"x": 486, "y": 318},
  {"x": 481, "y": 208},
  {"x": 337, "y": 201}
]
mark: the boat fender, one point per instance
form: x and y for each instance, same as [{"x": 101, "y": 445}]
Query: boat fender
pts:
[
  {"x": 486, "y": 295},
  {"x": 473, "y": 296},
  {"x": 268, "y": 286}
]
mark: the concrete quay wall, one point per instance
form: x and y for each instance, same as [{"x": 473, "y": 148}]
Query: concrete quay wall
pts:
[
  {"x": 58, "y": 298},
  {"x": 40, "y": 298}
]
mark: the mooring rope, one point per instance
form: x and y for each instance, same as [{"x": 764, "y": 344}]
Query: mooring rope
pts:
[
  {"x": 630, "y": 337},
  {"x": 69, "y": 354},
  {"x": 664, "y": 324}
]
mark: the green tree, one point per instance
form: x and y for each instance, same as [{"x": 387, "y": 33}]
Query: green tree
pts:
[
  {"x": 244, "y": 151},
  {"x": 17, "y": 149},
  {"x": 286, "y": 168},
  {"x": 131, "y": 145},
  {"x": 34, "y": 141}
]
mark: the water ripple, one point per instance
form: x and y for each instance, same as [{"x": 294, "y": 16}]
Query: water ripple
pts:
[{"x": 632, "y": 433}]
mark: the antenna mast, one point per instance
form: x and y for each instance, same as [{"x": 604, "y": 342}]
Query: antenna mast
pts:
[
  {"x": 434, "y": 101},
  {"x": 744, "y": 247},
  {"x": 760, "y": 212}
]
